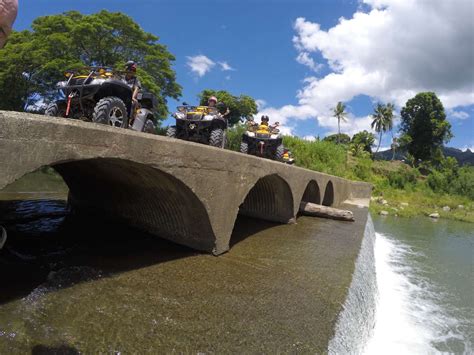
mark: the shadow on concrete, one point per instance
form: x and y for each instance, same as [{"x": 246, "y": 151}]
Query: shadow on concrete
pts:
[
  {"x": 245, "y": 227},
  {"x": 37, "y": 249}
]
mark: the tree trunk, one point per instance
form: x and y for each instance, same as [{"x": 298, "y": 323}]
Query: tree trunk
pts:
[
  {"x": 312, "y": 209},
  {"x": 338, "y": 129},
  {"x": 380, "y": 141}
]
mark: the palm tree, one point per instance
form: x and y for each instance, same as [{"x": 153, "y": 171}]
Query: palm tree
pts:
[
  {"x": 383, "y": 120},
  {"x": 340, "y": 114}
]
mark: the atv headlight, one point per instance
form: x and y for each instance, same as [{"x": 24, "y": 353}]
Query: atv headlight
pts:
[
  {"x": 61, "y": 84},
  {"x": 179, "y": 115},
  {"x": 251, "y": 134}
]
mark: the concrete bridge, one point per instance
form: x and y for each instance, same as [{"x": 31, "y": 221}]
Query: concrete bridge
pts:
[{"x": 185, "y": 192}]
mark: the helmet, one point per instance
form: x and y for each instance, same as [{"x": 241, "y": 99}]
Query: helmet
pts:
[
  {"x": 212, "y": 98},
  {"x": 265, "y": 118},
  {"x": 131, "y": 66}
]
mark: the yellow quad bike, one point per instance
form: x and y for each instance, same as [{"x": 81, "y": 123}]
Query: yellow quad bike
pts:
[
  {"x": 101, "y": 95},
  {"x": 201, "y": 124},
  {"x": 263, "y": 141}
]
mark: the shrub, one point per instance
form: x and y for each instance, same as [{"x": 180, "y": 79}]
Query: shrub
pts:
[
  {"x": 403, "y": 177},
  {"x": 321, "y": 156}
]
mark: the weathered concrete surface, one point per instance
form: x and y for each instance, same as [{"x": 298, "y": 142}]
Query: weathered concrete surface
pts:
[{"x": 186, "y": 192}]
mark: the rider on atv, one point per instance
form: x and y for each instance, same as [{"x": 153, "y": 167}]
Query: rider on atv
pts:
[
  {"x": 212, "y": 102},
  {"x": 134, "y": 83}
]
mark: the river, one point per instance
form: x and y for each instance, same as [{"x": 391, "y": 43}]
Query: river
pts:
[{"x": 84, "y": 286}]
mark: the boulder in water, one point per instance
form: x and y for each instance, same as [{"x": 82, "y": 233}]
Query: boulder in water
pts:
[
  {"x": 434, "y": 215},
  {"x": 446, "y": 208},
  {"x": 383, "y": 213}
]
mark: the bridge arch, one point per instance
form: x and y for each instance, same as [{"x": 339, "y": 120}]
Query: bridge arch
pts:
[
  {"x": 270, "y": 199},
  {"x": 329, "y": 194},
  {"x": 140, "y": 195},
  {"x": 312, "y": 193}
]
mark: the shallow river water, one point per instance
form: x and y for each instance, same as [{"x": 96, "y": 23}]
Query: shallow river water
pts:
[{"x": 90, "y": 286}]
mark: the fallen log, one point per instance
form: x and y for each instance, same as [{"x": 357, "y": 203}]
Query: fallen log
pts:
[{"x": 312, "y": 209}]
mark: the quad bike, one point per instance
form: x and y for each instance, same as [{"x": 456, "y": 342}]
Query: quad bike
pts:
[
  {"x": 263, "y": 141},
  {"x": 101, "y": 95},
  {"x": 202, "y": 124}
]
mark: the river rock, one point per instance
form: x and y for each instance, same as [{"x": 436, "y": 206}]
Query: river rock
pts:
[
  {"x": 446, "y": 208},
  {"x": 461, "y": 207},
  {"x": 383, "y": 213},
  {"x": 404, "y": 204},
  {"x": 434, "y": 215}
]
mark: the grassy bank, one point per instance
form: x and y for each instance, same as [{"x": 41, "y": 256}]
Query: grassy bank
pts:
[{"x": 398, "y": 188}]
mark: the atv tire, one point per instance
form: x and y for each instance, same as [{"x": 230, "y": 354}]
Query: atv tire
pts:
[
  {"x": 217, "y": 138},
  {"x": 171, "y": 132},
  {"x": 111, "y": 111},
  {"x": 54, "y": 110},
  {"x": 244, "y": 147},
  {"x": 279, "y": 152},
  {"x": 149, "y": 127}
]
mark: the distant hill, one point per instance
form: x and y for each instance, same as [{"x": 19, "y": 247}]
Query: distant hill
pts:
[{"x": 463, "y": 158}]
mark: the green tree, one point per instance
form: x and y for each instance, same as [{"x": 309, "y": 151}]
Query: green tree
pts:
[
  {"x": 240, "y": 106},
  {"x": 423, "y": 120},
  {"x": 364, "y": 138},
  {"x": 340, "y": 114},
  {"x": 383, "y": 120},
  {"x": 33, "y": 61},
  {"x": 339, "y": 138}
]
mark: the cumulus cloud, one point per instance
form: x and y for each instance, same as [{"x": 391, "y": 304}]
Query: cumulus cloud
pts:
[
  {"x": 305, "y": 59},
  {"x": 200, "y": 65},
  {"x": 225, "y": 66},
  {"x": 390, "y": 52},
  {"x": 460, "y": 115}
]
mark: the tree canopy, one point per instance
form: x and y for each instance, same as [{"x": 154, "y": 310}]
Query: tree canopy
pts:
[
  {"x": 424, "y": 126},
  {"x": 364, "y": 138},
  {"x": 340, "y": 114},
  {"x": 383, "y": 120},
  {"x": 339, "y": 138},
  {"x": 33, "y": 61},
  {"x": 240, "y": 106}
]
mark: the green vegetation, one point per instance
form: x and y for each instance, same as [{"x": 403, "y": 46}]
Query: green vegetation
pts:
[
  {"x": 383, "y": 120},
  {"x": 240, "y": 106},
  {"x": 394, "y": 181},
  {"x": 364, "y": 140},
  {"x": 339, "y": 138},
  {"x": 340, "y": 113},
  {"x": 424, "y": 126},
  {"x": 33, "y": 61}
]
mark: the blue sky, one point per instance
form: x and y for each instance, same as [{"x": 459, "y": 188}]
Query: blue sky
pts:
[{"x": 300, "y": 57}]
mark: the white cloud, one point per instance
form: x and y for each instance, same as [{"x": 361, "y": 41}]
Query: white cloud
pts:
[
  {"x": 461, "y": 115},
  {"x": 225, "y": 66},
  {"x": 465, "y": 148},
  {"x": 309, "y": 138},
  {"x": 200, "y": 65},
  {"x": 305, "y": 59},
  {"x": 260, "y": 104},
  {"x": 391, "y": 52}
]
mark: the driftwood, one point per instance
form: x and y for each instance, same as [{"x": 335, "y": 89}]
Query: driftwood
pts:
[{"x": 312, "y": 209}]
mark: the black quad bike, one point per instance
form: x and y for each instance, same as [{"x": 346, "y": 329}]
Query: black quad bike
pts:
[
  {"x": 203, "y": 124},
  {"x": 263, "y": 141},
  {"x": 101, "y": 95}
]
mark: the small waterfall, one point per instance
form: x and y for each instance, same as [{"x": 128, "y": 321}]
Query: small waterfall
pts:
[{"x": 356, "y": 321}]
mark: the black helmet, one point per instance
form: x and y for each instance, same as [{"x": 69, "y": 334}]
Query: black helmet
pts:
[
  {"x": 265, "y": 118},
  {"x": 131, "y": 66}
]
